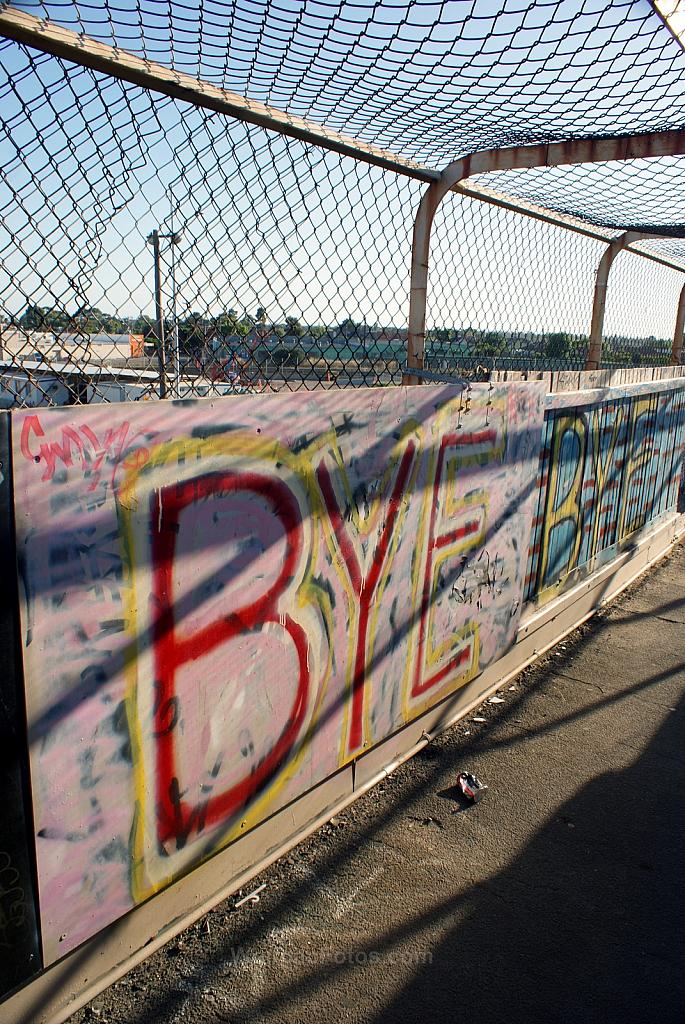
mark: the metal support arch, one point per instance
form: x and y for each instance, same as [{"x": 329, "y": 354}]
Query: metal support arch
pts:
[
  {"x": 594, "y": 355},
  {"x": 599, "y": 150},
  {"x": 677, "y": 349}
]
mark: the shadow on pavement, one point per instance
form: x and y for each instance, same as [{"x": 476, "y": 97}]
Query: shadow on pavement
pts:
[
  {"x": 583, "y": 927},
  {"x": 587, "y": 924}
]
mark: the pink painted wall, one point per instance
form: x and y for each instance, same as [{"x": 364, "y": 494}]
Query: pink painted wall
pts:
[{"x": 225, "y": 601}]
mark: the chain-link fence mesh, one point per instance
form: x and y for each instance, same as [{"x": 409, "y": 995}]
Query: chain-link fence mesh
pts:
[
  {"x": 507, "y": 291},
  {"x": 425, "y": 79},
  {"x": 281, "y": 264},
  {"x": 150, "y": 248},
  {"x": 640, "y": 195},
  {"x": 640, "y": 314},
  {"x": 670, "y": 249}
]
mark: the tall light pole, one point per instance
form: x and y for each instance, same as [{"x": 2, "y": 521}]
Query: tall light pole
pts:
[
  {"x": 153, "y": 239},
  {"x": 174, "y": 238}
]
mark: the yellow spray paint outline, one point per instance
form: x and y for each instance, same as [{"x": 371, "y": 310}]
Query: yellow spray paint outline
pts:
[
  {"x": 308, "y": 593},
  {"x": 475, "y": 500},
  {"x": 600, "y": 467},
  {"x": 409, "y": 428},
  {"x": 444, "y": 424},
  {"x": 633, "y": 465},
  {"x": 494, "y": 453},
  {"x": 572, "y": 502},
  {"x": 467, "y": 635}
]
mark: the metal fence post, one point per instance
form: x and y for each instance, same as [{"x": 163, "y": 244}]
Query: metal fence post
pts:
[
  {"x": 418, "y": 290},
  {"x": 677, "y": 350},
  {"x": 153, "y": 238},
  {"x": 594, "y": 355}
]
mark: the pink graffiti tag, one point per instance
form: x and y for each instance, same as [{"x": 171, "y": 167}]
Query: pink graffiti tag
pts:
[{"x": 82, "y": 444}]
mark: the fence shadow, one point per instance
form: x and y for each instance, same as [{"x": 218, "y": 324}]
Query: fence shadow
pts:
[{"x": 586, "y": 925}]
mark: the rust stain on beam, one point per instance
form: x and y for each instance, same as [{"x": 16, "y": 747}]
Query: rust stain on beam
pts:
[
  {"x": 672, "y": 13},
  {"x": 677, "y": 348}
]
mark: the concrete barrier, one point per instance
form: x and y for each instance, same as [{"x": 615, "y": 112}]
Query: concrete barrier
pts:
[{"x": 234, "y": 616}]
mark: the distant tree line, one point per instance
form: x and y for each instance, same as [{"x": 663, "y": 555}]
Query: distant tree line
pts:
[
  {"x": 197, "y": 333},
  {"x": 195, "y": 330}
]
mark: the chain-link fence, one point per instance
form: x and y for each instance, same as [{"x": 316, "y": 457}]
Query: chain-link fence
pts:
[
  {"x": 161, "y": 238},
  {"x": 280, "y": 264},
  {"x": 507, "y": 291},
  {"x": 641, "y": 310}
]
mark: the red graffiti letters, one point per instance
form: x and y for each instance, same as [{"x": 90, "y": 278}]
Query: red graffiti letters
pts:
[
  {"x": 176, "y": 817},
  {"x": 364, "y": 583}
]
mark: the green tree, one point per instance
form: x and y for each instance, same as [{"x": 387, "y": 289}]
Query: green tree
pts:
[
  {"x": 288, "y": 357},
  {"x": 347, "y": 327},
  {"x": 293, "y": 326},
  {"x": 33, "y": 318},
  {"x": 492, "y": 343},
  {"x": 558, "y": 345},
  {"x": 192, "y": 334},
  {"x": 226, "y": 323}
]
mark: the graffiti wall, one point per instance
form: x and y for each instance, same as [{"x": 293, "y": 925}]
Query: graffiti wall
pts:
[
  {"x": 225, "y": 602},
  {"x": 607, "y": 469},
  {"x": 20, "y": 953}
]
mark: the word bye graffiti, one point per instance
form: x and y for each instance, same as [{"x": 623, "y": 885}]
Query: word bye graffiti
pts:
[
  {"x": 608, "y": 470},
  {"x": 299, "y": 577},
  {"x": 223, "y": 603}
]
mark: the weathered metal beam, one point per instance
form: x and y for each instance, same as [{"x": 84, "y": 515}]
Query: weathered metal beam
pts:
[
  {"x": 440, "y": 378},
  {"x": 677, "y": 349},
  {"x": 594, "y": 355},
  {"x": 672, "y": 13},
  {"x": 591, "y": 150},
  {"x": 561, "y": 220},
  {"x": 80, "y": 49},
  {"x": 598, "y": 149},
  {"x": 490, "y": 195}
]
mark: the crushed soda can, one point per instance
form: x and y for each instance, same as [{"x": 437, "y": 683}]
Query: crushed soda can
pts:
[{"x": 471, "y": 786}]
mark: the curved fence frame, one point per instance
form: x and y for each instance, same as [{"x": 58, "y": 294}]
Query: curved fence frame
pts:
[{"x": 518, "y": 158}]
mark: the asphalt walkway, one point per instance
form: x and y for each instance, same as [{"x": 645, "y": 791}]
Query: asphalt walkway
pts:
[{"x": 559, "y": 898}]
